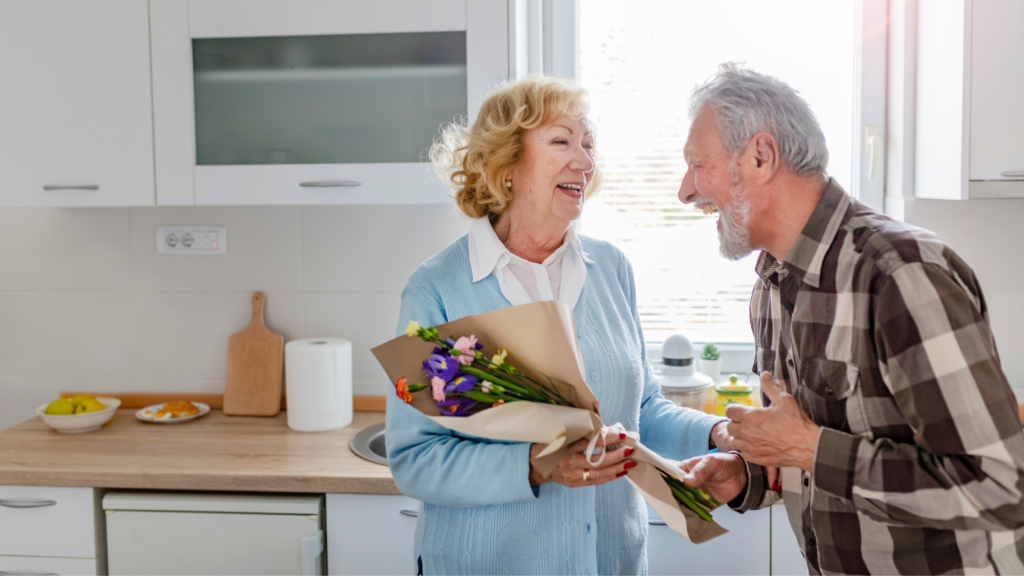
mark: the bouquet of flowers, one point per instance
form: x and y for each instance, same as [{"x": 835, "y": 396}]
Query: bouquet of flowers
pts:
[
  {"x": 462, "y": 377},
  {"x": 532, "y": 391}
]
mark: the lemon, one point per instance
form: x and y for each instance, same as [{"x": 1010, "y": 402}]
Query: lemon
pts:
[
  {"x": 91, "y": 405},
  {"x": 60, "y": 408},
  {"x": 81, "y": 398}
]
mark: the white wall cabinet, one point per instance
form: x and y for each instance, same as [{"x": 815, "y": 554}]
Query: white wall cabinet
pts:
[
  {"x": 77, "y": 109},
  {"x": 261, "y": 102},
  {"x": 787, "y": 559},
  {"x": 370, "y": 534},
  {"x": 970, "y": 100}
]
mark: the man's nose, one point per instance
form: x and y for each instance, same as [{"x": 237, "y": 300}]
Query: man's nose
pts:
[{"x": 687, "y": 191}]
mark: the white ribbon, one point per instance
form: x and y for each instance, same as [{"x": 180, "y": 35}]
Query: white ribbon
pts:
[{"x": 616, "y": 428}]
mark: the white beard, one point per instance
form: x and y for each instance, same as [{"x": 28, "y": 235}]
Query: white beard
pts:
[{"x": 733, "y": 236}]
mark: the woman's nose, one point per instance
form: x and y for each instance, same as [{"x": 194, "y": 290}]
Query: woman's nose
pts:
[{"x": 583, "y": 161}]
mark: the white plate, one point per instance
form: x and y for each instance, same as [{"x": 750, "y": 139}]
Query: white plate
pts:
[{"x": 203, "y": 409}]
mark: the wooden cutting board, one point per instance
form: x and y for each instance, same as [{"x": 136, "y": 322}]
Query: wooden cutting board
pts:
[{"x": 255, "y": 358}]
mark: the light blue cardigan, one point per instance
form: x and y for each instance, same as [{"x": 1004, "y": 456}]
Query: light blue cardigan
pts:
[{"x": 480, "y": 514}]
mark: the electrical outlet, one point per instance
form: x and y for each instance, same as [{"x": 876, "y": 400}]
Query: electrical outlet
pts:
[{"x": 203, "y": 240}]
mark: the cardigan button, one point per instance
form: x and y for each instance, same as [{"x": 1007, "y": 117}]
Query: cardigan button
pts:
[{"x": 595, "y": 376}]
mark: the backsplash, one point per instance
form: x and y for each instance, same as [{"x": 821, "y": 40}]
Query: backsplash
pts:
[{"x": 87, "y": 304}]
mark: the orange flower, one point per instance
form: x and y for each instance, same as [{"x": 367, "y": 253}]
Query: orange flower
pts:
[
  {"x": 402, "y": 389},
  {"x": 498, "y": 403},
  {"x": 453, "y": 408}
]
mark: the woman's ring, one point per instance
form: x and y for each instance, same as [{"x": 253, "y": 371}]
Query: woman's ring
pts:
[{"x": 586, "y": 475}]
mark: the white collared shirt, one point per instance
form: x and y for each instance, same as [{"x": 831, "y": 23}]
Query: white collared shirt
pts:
[{"x": 560, "y": 277}]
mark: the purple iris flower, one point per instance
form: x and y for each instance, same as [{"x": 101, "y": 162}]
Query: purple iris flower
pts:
[
  {"x": 462, "y": 406},
  {"x": 442, "y": 366},
  {"x": 461, "y": 383}
]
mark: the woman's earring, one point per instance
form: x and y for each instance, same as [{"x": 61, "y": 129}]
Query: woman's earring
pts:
[{"x": 508, "y": 184}]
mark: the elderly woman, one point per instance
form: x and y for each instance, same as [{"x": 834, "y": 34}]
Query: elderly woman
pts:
[{"x": 523, "y": 172}]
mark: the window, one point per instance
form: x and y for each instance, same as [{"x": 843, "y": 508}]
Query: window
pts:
[{"x": 640, "y": 60}]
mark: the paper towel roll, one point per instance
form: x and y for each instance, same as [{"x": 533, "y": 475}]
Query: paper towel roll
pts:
[{"x": 318, "y": 381}]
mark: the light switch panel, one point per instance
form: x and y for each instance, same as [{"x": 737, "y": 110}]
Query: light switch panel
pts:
[{"x": 201, "y": 240}]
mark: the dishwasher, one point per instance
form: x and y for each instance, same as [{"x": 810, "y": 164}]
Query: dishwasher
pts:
[{"x": 211, "y": 533}]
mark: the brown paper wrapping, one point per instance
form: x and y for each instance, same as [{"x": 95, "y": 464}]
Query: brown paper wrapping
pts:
[
  {"x": 647, "y": 480},
  {"x": 541, "y": 342}
]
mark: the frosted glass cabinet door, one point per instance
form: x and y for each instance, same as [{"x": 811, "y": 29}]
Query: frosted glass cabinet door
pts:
[
  {"x": 338, "y": 99},
  {"x": 76, "y": 124}
]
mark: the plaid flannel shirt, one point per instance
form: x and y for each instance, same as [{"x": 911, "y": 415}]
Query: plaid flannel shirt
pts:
[{"x": 881, "y": 334}]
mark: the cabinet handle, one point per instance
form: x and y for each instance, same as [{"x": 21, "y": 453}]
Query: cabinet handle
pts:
[
  {"x": 27, "y": 504},
  {"x": 2, "y": 573},
  {"x": 71, "y": 187},
  {"x": 657, "y": 523},
  {"x": 312, "y": 550},
  {"x": 1013, "y": 173},
  {"x": 410, "y": 513},
  {"x": 331, "y": 184}
]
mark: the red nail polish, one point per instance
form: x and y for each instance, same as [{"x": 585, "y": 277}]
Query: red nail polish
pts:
[
  {"x": 630, "y": 464},
  {"x": 629, "y": 450},
  {"x": 622, "y": 435},
  {"x": 620, "y": 474}
]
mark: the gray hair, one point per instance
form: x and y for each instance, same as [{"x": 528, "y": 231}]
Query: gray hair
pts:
[{"x": 746, "y": 103}]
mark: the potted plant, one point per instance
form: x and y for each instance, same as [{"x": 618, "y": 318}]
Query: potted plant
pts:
[{"x": 711, "y": 362}]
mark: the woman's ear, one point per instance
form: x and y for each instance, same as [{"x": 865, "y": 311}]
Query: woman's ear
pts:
[{"x": 766, "y": 160}]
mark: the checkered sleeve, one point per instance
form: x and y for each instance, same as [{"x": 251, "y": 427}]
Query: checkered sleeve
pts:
[{"x": 965, "y": 467}]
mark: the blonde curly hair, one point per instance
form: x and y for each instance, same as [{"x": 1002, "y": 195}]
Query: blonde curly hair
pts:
[{"x": 474, "y": 160}]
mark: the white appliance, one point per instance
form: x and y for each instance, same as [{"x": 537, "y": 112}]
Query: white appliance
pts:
[
  {"x": 679, "y": 382},
  {"x": 204, "y": 533}
]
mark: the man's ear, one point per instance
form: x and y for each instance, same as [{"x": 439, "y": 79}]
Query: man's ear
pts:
[{"x": 764, "y": 160}]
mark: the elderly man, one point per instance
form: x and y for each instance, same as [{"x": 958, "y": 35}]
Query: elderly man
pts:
[{"x": 898, "y": 436}]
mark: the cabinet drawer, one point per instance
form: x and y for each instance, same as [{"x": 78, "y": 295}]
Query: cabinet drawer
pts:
[
  {"x": 370, "y": 534},
  {"x": 47, "y": 521},
  {"x": 39, "y": 565}
]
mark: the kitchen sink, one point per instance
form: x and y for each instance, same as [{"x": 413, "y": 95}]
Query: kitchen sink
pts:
[{"x": 369, "y": 444}]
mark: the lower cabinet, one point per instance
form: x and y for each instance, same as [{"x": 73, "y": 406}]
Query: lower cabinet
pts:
[
  {"x": 370, "y": 534},
  {"x": 745, "y": 549},
  {"x": 787, "y": 559},
  {"x": 39, "y": 565}
]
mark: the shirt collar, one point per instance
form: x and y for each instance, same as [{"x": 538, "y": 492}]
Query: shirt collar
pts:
[
  {"x": 486, "y": 251},
  {"x": 808, "y": 252}
]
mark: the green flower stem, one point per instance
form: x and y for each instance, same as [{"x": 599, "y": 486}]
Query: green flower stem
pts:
[
  {"x": 483, "y": 396},
  {"x": 512, "y": 388},
  {"x": 684, "y": 498}
]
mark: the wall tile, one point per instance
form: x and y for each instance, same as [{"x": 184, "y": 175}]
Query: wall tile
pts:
[
  {"x": 65, "y": 334},
  {"x": 264, "y": 250},
  {"x": 185, "y": 335},
  {"x": 1006, "y": 314},
  {"x": 64, "y": 249},
  {"x": 373, "y": 248},
  {"x": 987, "y": 234},
  {"x": 367, "y": 320}
]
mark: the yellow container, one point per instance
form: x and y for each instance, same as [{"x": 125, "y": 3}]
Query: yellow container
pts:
[{"x": 732, "y": 393}]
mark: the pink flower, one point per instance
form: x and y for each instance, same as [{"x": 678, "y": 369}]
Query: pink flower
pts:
[
  {"x": 437, "y": 387},
  {"x": 466, "y": 345}
]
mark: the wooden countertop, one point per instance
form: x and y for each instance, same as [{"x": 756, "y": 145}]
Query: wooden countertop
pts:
[{"x": 215, "y": 452}]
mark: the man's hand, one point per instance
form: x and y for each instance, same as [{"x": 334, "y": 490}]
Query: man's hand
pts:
[
  {"x": 780, "y": 435},
  {"x": 720, "y": 437},
  {"x": 723, "y": 476}
]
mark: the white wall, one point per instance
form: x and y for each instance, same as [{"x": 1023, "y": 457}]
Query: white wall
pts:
[
  {"x": 86, "y": 303},
  {"x": 989, "y": 236}
]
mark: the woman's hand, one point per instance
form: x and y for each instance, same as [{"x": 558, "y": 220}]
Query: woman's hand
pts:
[{"x": 572, "y": 470}]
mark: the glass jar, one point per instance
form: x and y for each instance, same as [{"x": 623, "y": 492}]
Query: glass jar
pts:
[{"x": 732, "y": 393}]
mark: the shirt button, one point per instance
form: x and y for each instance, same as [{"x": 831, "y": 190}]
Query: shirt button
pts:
[
  {"x": 859, "y": 231},
  {"x": 588, "y": 527},
  {"x": 595, "y": 376},
  {"x": 807, "y": 481},
  {"x": 790, "y": 362},
  {"x": 788, "y": 306},
  {"x": 812, "y": 542}
]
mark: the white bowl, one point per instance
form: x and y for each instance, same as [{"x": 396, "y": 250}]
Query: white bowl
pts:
[{"x": 75, "y": 423}]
